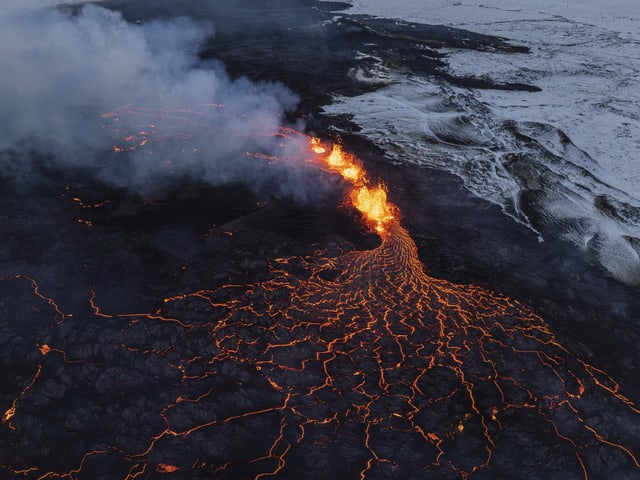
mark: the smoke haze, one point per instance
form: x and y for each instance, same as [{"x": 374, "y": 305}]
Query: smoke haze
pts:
[{"x": 62, "y": 71}]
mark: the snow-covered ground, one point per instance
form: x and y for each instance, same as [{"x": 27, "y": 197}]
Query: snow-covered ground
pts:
[
  {"x": 583, "y": 127},
  {"x": 585, "y": 57}
]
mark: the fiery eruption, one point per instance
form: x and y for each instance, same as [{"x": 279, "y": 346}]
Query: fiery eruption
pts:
[
  {"x": 373, "y": 204},
  {"x": 370, "y": 201},
  {"x": 354, "y": 364}
]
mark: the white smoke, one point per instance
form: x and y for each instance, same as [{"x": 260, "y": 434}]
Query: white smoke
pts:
[{"x": 62, "y": 70}]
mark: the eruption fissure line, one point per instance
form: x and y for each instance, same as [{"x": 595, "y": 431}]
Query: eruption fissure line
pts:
[
  {"x": 396, "y": 373},
  {"x": 370, "y": 201}
]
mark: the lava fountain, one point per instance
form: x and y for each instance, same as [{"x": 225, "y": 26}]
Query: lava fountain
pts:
[{"x": 350, "y": 364}]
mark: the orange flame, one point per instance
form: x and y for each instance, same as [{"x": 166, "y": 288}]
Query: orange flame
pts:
[
  {"x": 316, "y": 146},
  {"x": 370, "y": 201},
  {"x": 373, "y": 204},
  {"x": 346, "y": 165}
]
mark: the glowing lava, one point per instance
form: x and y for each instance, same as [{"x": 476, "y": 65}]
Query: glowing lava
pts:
[
  {"x": 347, "y": 363},
  {"x": 371, "y": 201}
]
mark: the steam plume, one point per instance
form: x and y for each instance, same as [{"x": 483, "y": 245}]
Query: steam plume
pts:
[{"x": 62, "y": 70}]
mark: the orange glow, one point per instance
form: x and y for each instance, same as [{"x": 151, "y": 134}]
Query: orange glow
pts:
[
  {"x": 164, "y": 468},
  {"x": 8, "y": 415},
  {"x": 433, "y": 437},
  {"x": 337, "y": 157},
  {"x": 370, "y": 201},
  {"x": 316, "y": 146},
  {"x": 11, "y": 411},
  {"x": 349, "y": 168},
  {"x": 352, "y": 173},
  {"x": 44, "y": 349},
  {"x": 373, "y": 204}
]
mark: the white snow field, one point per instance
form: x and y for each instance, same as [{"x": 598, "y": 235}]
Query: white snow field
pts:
[{"x": 582, "y": 130}]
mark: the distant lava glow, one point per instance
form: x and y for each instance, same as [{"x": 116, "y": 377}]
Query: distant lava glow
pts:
[{"x": 350, "y": 364}]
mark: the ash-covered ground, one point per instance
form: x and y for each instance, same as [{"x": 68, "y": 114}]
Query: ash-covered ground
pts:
[{"x": 179, "y": 325}]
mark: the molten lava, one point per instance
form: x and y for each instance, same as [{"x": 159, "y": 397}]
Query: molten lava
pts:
[
  {"x": 373, "y": 204},
  {"x": 355, "y": 364},
  {"x": 349, "y": 168},
  {"x": 370, "y": 201}
]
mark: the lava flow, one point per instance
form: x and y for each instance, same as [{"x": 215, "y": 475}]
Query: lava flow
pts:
[{"x": 344, "y": 364}]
